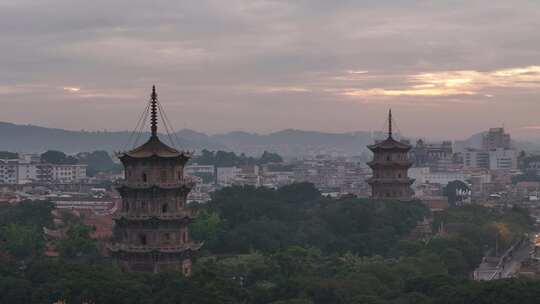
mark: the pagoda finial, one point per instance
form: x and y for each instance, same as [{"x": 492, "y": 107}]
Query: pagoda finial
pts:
[
  {"x": 390, "y": 123},
  {"x": 153, "y": 113}
]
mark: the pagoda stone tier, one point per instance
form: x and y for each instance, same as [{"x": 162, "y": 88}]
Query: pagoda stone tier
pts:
[
  {"x": 390, "y": 167},
  {"x": 151, "y": 226}
]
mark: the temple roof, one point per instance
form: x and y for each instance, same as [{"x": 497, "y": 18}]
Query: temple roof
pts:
[
  {"x": 153, "y": 147},
  {"x": 390, "y": 144}
]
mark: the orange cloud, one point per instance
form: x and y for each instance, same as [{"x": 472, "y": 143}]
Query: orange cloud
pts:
[{"x": 454, "y": 83}]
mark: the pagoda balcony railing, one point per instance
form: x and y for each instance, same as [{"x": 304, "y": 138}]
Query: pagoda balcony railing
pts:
[
  {"x": 187, "y": 182},
  {"x": 389, "y": 163},
  {"x": 188, "y": 213},
  {"x": 390, "y": 180},
  {"x": 154, "y": 248}
]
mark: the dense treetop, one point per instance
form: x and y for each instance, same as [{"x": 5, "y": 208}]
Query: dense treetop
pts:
[
  {"x": 230, "y": 159},
  {"x": 284, "y": 246}
]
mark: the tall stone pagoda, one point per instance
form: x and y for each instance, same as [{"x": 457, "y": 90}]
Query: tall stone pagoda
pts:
[
  {"x": 390, "y": 165},
  {"x": 151, "y": 227}
]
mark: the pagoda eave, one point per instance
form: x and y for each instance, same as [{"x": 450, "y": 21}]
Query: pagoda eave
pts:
[
  {"x": 117, "y": 249},
  {"x": 390, "y": 181},
  {"x": 376, "y": 148},
  {"x": 133, "y": 218},
  {"x": 180, "y": 186},
  {"x": 393, "y": 164}
]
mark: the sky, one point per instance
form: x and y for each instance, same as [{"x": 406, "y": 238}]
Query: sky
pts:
[{"x": 447, "y": 69}]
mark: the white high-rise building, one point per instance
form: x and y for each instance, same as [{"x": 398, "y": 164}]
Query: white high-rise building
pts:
[{"x": 503, "y": 159}]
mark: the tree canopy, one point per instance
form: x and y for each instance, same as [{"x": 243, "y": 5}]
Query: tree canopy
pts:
[
  {"x": 230, "y": 159},
  {"x": 58, "y": 158}
]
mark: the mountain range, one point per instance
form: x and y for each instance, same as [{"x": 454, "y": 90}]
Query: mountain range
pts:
[{"x": 289, "y": 143}]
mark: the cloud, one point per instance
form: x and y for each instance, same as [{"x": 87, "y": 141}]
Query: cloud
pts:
[
  {"x": 72, "y": 89},
  {"x": 531, "y": 128},
  {"x": 457, "y": 83},
  {"x": 218, "y": 64}
]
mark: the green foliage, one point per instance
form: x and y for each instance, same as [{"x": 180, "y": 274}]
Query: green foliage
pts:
[
  {"x": 451, "y": 189},
  {"x": 207, "y": 227},
  {"x": 299, "y": 215},
  {"x": 230, "y": 159},
  {"x": 285, "y": 246},
  {"x": 481, "y": 225},
  {"x": 78, "y": 243},
  {"x": 20, "y": 241},
  {"x": 8, "y": 155},
  {"x": 21, "y": 234},
  {"x": 98, "y": 161},
  {"x": 58, "y": 158},
  {"x": 29, "y": 213}
]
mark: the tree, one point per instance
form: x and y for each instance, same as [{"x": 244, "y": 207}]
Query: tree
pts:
[
  {"x": 98, "y": 161},
  {"x": 21, "y": 241},
  {"x": 8, "y": 155},
  {"x": 268, "y": 157},
  {"x": 451, "y": 191},
  {"x": 78, "y": 243},
  {"x": 57, "y": 158}
]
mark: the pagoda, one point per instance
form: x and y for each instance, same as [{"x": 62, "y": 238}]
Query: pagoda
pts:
[
  {"x": 390, "y": 165},
  {"x": 151, "y": 226}
]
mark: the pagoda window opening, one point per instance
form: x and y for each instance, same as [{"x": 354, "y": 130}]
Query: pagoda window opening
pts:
[
  {"x": 142, "y": 239},
  {"x": 166, "y": 238},
  {"x": 163, "y": 176},
  {"x": 184, "y": 237},
  {"x": 144, "y": 177},
  {"x": 164, "y": 208},
  {"x": 388, "y": 158}
]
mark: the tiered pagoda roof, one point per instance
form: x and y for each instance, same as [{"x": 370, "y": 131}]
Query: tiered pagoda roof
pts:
[
  {"x": 390, "y": 144},
  {"x": 154, "y": 147}
]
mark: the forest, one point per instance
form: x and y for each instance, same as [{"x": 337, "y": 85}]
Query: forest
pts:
[{"x": 285, "y": 246}]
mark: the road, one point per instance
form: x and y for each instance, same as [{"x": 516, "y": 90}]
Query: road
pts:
[{"x": 512, "y": 266}]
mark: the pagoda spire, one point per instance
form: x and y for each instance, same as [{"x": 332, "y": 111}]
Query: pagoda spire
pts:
[
  {"x": 153, "y": 112},
  {"x": 390, "y": 123}
]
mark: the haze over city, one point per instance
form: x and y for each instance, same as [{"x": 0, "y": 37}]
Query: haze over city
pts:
[{"x": 448, "y": 68}]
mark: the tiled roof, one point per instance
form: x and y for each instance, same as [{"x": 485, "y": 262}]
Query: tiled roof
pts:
[
  {"x": 389, "y": 144},
  {"x": 154, "y": 147}
]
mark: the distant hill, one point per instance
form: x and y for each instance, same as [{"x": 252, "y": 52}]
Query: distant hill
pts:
[
  {"x": 28, "y": 138},
  {"x": 292, "y": 142},
  {"x": 288, "y": 143}
]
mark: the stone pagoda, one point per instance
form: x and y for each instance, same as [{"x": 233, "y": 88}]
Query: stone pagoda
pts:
[
  {"x": 151, "y": 226},
  {"x": 390, "y": 165}
]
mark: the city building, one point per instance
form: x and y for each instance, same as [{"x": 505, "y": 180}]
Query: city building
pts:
[
  {"x": 425, "y": 175},
  {"x": 151, "y": 228},
  {"x": 390, "y": 165},
  {"x": 496, "y": 138},
  {"x": 23, "y": 171},
  {"x": 8, "y": 171},
  {"x": 436, "y": 156},
  {"x": 474, "y": 158},
  {"x": 503, "y": 159}
]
